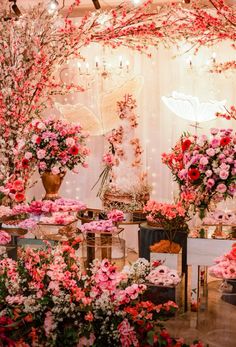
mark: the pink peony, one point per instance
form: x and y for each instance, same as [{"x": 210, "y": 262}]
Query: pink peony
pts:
[{"x": 5, "y": 238}]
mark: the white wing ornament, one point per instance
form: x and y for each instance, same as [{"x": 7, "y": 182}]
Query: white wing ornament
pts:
[
  {"x": 190, "y": 108},
  {"x": 81, "y": 114},
  {"x": 109, "y": 119}
]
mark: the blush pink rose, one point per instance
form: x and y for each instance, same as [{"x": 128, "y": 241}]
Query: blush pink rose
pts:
[
  {"x": 224, "y": 174},
  {"x": 41, "y": 153},
  {"x": 5, "y": 238}
]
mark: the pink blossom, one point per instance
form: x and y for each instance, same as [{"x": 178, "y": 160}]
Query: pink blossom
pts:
[
  {"x": 215, "y": 142},
  {"x": 28, "y": 155},
  {"x": 210, "y": 183},
  {"x": 203, "y": 161},
  {"x": 41, "y": 153},
  {"x": 221, "y": 188},
  {"x": 70, "y": 141},
  {"x": 42, "y": 165},
  {"x": 211, "y": 152},
  {"x": 208, "y": 173},
  {"x": 55, "y": 170},
  {"x": 5, "y": 238},
  {"x": 224, "y": 174}
]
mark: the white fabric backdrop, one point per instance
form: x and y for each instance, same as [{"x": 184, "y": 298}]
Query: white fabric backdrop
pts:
[{"x": 159, "y": 128}]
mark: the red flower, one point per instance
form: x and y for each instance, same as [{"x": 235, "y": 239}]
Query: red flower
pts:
[
  {"x": 74, "y": 150},
  {"x": 25, "y": 163},
  {"x": 38, "y": 140},
  {"x": 18, "y": 185},
  {"x": 225, "y": 141},
  {"x": 185, "y": 145},
  {"x": 19, "y": 197},
  {"x": 193, "y": 174}
]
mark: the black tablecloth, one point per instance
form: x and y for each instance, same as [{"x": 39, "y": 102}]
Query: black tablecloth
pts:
[{"x": 149, "y": 235}]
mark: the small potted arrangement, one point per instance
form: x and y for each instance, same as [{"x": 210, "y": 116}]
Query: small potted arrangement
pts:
[{"x": 172, "y": 218}]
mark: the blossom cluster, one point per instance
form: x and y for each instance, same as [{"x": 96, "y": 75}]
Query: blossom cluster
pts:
[
  {"x": 163, "y": 276},
  {"x": 99, "y": 226},
  {"x": 205, "y": 168},
  {"x": 116, "y": 216},
  {"x": 46, "y": 298},
  {"x": 225, "y": 266},
  {"x": 56, "y": 145},
  {"x": 38, "y": 207},
  {"x": 168, "y": 216}
]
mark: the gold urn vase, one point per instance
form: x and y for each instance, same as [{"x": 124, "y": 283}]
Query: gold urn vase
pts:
[{"x": 52, "y": 185}]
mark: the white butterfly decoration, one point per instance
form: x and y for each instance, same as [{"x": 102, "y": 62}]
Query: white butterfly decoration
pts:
[
  {"x": 190, "y": 108},
  {"x": 108, "y": 120}
]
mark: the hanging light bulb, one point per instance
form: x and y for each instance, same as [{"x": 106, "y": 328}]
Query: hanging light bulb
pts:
[{"x": 53, "y": 6}]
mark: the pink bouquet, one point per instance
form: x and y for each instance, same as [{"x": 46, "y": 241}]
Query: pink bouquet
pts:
[
  {"x": 99, "y": 226},
  {"x": 205, "y": 168},
  {"x": 168, "y": 216},
  {"x": 163, "y": 276},
  {"x": 225, "y": 265},
  {"x": 56, "y": 146},
  {"x": 116, "y": 216},
  {"x": 5, "y": 238}
]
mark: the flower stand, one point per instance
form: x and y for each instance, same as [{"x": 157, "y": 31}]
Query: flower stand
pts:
[{"x": 103, "y": 246}]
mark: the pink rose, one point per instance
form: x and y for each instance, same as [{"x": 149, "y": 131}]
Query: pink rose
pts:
[
  {"x": 41, "y": 153},
  {"x": 210, "y": 183},
  {"x": 42, "y": 165},
  {"x": 211, "y": 152},
  {"x": 55, "y": 170},
  {"x": 224, "y": 174},
  {"x": 70, "y": 141},
  {"x": 221, "y": 188},
  {"x": 208, "y": 173},
  {"x": 203, "y": 161},
  {"x": 215, "y": 143},
  {"x": 28, "y": 155}
]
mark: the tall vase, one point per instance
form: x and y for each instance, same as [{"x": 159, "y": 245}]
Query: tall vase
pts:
[{"x": 52, "y": 185}]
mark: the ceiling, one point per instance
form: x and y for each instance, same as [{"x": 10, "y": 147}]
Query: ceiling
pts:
[{"x": 87, "y": 5}]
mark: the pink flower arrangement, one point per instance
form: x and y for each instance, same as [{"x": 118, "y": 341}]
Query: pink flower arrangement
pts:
[
  {"x": 205, "y": 167},
  {"x": 163, "y": 276},
  {"x": 56, "y": 145},
  {"x": 39, "y": 207},
  {"x": 99, "y": 226},
  {"x": 225, "y": 266},
  {"x": 5, "y": 238},
  {"x": 116, "y": 216},
  {"x": 52, "y": 295},
  {"x": 57, "y": 218},
  {"x": 168, "y": 216}
]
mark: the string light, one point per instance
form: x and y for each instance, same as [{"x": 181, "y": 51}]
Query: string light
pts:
[{"x": 53, "y": 6}]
